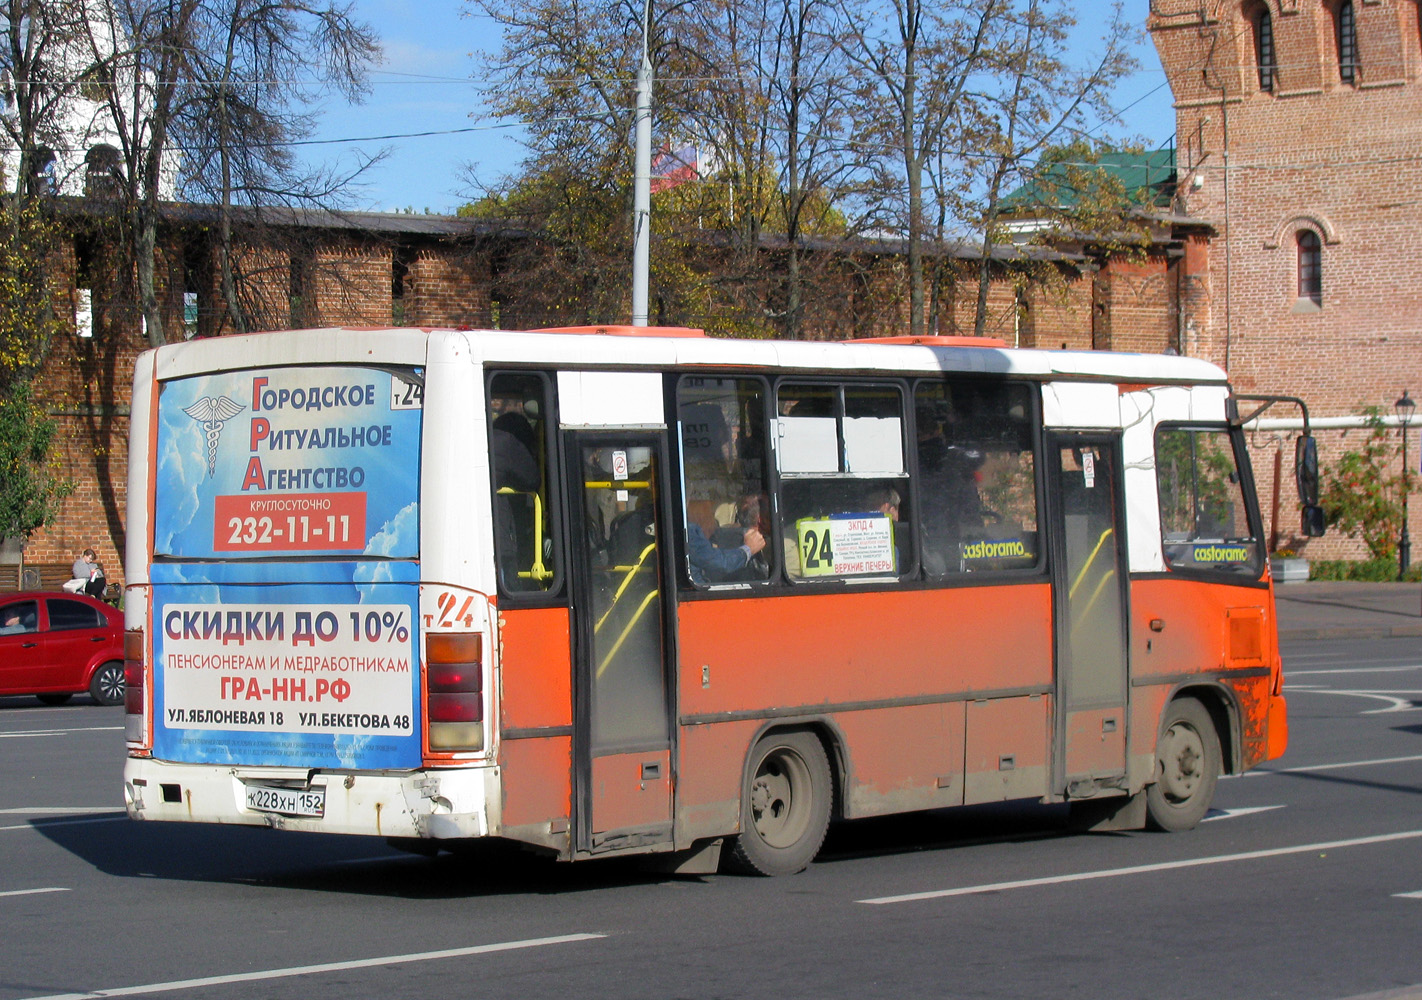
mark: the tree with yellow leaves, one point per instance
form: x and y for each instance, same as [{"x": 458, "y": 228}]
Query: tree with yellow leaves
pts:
[{"x": 29, "y": 483}]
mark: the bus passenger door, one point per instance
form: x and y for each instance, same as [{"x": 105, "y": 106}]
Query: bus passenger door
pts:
[
  {"x": 622, "y": 714},
  {"x": 1089, "y": 577}
]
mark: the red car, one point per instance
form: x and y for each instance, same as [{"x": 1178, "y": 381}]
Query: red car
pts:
[{"x": 54, "y": 645}]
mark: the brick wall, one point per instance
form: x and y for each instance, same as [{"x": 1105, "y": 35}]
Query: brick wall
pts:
[
  {"x": 448, "y": 289},
  {"x": 1314, "y": 154},
  {"x": 360, "y": 278}
]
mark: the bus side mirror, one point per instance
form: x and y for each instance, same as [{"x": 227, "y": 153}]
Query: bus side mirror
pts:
[
  {"x": 1306, "y": 470},
  {"x": 1306, "y": 475},
  {"x": 1312, "y": 521}
]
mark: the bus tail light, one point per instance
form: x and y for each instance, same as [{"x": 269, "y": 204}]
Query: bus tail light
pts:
[
  {"x": 454, "y": 691},
  {"x": 133, "y": 686}
]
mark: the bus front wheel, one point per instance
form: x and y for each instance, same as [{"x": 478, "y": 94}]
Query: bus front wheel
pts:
[
  {"x": 1187, "y": 767},
  {"x": 785, "y": 806}
]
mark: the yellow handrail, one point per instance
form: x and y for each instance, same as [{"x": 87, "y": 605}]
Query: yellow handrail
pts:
[
  {"x": 625, "y": 632},
  {"x": 1080, "y": 613},
  {"x": 630, "y": 572},
  {"x": 537, "y": 571},
  {"x": 1086, "y": 566}
]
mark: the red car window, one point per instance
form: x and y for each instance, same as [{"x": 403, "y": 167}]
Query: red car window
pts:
[{"x": 64, "y": 614}]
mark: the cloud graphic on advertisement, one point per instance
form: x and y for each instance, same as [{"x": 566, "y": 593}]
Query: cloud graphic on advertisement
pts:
[
  {"x": 178, "y": 476},
  {"x": 399, "y": 534}
]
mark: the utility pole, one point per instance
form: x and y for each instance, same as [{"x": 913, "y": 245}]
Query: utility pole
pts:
[{"x": 642, "y": 178}]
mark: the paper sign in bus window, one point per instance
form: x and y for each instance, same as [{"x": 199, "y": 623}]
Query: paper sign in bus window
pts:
[{"x": 846, "y": 544}]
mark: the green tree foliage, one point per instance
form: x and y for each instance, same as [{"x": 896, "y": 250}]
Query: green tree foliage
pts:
[
  {"x": 1037, "y": 97},
  {"x": 29, "y": 484},
  {"x": 1361, "y": 496},
  {"x": 834, "y": 135},
  {"x": 750, "y": 84}
]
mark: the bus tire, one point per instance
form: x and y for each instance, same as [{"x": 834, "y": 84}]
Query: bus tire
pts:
[
  {"x": 1187, "y": 768},
  {"x": 785, "y": 806}
]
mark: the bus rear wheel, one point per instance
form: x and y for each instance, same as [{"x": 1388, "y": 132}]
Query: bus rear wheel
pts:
[
  {"x": 785, "y": 806},
  {"x": 1187, "y": 768}
]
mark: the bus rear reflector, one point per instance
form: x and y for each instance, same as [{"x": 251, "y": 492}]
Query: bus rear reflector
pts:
[
  {"x": 454, "y": 696},
  {"x": 133, "y": 686}
]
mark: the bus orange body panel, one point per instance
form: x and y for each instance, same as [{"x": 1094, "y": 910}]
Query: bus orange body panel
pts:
[
  {"x": 1187, "y": 632},
  {"x": 537, "y": 711},
  {"x": 889, "y": 673}
]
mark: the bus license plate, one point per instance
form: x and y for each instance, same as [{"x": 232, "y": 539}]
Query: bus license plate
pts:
[{"x": 286, "y": 801}]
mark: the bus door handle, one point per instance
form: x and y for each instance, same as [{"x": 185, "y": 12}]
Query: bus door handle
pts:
[
  {"x": 652, "y": 770},
  {"x": 1157, "y": 624}
]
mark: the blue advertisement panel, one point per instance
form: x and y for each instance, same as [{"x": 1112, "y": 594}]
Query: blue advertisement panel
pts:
[{"x": 285, "y": 594}]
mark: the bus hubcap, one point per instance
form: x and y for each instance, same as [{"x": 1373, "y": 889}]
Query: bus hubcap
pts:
[{"x": 1180, "y": 764}]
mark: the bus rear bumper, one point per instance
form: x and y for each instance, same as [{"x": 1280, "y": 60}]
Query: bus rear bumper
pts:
[{"x": 444, "y": 804}]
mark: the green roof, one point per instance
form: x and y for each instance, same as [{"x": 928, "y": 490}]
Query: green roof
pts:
[{"x": 1148, "y": 178}]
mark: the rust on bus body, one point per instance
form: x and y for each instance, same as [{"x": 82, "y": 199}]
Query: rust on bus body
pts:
[
  {"x": 1223, "y": 633},
  {"x": 630, "y": 790}
]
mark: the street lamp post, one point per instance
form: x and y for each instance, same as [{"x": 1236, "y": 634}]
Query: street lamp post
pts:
[{"x": 1405, "y": 407}]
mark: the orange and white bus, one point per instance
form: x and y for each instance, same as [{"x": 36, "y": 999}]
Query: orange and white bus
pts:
[{"x": 604, "y": 591}]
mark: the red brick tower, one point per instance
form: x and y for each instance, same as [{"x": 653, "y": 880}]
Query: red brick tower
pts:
[{"x": 1299, "y": 134}]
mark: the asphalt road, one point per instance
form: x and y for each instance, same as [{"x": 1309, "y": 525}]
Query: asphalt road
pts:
[{"x": 1304, "y": 884}]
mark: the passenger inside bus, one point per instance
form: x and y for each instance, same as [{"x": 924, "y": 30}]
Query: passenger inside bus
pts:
[{"x": 718, "y": 553}]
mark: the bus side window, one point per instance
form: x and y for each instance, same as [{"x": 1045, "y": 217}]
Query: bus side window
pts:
[
  {"x": 524, "y": 545},
  {"x": 844, "y": 490},
  {"x": 721, "y": 427},
  {"x": 977, "y": 476},
  {"x": 1204, "y": 521}
]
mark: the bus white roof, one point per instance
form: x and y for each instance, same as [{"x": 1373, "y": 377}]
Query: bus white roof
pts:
[{"x": 411, "y": 346}]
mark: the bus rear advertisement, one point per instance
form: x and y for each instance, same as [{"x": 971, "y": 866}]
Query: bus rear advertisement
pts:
[
  {"x": 310, "y": 658},
  {"x": 612, "y": 591}
]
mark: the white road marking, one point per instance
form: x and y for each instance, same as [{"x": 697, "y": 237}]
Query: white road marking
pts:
[
  {"x": 1354, "y": 670},
  {"x": 47, "y": 823},
  {"x": 52, "y": 810},
  {"x": 31, "y": 892},
  {"x": 1394, "y": 703},
  {"x": 971, "y": 890},
  {"x": 306, "y": 970},
  {"x": 1257, "y": 773},
  {"x": 1407, "y": 895},
  {"x": 1233, "y": 813},
  {"x": 59, "y": 732}
]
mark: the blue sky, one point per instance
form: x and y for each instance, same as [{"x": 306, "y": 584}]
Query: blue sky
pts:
[{"x": 427, "y": 85}]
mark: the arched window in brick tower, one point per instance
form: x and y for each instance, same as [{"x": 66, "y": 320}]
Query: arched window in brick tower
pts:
[
  {"x": 1345, "y": 35},
  {"x": 1264, "y": 59},
  {"x": 1310, "y": 267}
]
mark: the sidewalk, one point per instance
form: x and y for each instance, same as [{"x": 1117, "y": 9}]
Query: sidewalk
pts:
[{"x": 1322, "y": 610}]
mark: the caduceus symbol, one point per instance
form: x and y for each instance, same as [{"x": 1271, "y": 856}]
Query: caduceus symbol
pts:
[{"x": 212, "y": 414}]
